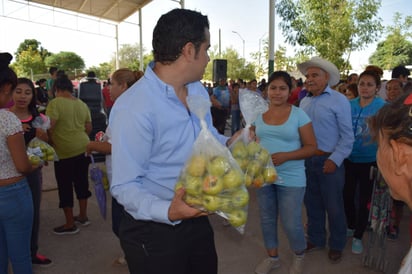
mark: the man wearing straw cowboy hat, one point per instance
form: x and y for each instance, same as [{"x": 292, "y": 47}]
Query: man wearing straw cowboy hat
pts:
[{"x": 331, "y": 118}]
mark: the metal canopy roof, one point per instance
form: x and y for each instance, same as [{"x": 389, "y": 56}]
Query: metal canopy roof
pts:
[{"x": 113, "y": 10}]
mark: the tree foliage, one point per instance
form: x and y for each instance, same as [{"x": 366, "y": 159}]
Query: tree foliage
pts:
[
  {"x": 129, "y": 57},
  {"x": 331, "y": 29},
  {"x": 102, "y": 71},
  {"x": 34, "y": 46},
  {"x": 68, "y": 61},
  {"x": 29, "y": 60},
  {"x": 396, "y": 49},
  {"x": 29, "y": 63}
]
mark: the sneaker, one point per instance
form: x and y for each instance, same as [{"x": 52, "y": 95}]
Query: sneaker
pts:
[
  {"x": 79, "y": 221},
  {"x": 349, "y": 232},
  {"x": 267, "y": 265},
  {"x": 357, "y": 247},
  {"x": 61, "y": 230},
  {"x": 297, "y": 264},
  {"x": 41, "y": 260},
  {"x": 393, "y": 233}
]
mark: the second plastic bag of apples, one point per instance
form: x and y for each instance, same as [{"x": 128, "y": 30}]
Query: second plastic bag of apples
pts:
[
  {"x": 212, "y": 179},
  {"x": 255, "y": 161}
]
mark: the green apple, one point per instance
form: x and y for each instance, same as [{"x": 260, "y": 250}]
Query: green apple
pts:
[
  {"x": 196, "y": 166},
  {"x": 195, "y": 201},
  {"x": 211, "y": 203},
  {"x": 233, "y": 179},
  {"x": 226, "y": 204},
  {"x": 269, "y": 174},
  {"x": 242, "y": 162},
  {"x": 258, "y": 181},
  {"x": 218, "y": 166},
  {"x": 193, "y": 185},
  {"x": 239, "y": 150},
  {"x": 263, "y": 157},
  {"x": 34, "y": 159},
  {"x": 212, "y": 185},
  {"x": 254, "y": 168},
  {"x": 237, "y": 217},
  {"x": 240, "y": 198},
  {"x": 253, "y": 148},
  {"x": 248, "y": 180}
]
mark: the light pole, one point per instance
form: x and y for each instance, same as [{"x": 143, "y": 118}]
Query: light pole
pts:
[{"x": 243, "y": 40}]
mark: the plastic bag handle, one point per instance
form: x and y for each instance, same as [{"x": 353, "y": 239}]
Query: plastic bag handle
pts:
[{"x": 92, "y": 159}]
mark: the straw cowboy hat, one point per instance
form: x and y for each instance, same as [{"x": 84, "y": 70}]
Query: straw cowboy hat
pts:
[{"x": 331, "y": 69}]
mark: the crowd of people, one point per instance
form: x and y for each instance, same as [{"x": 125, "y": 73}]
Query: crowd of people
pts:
[{"x": 324, "y": 136}]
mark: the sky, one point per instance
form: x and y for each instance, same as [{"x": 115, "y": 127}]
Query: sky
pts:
[{"x": 95, "y": 42}]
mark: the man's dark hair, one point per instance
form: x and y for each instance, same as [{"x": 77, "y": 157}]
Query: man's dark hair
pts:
[
  {"x": 400, "y": 71},
  {"x": 174, "y": 30},
  {"x": 52, "y": 70},
  {"x": 63, "y": 83},
  {"x": 7, "y": 75}
]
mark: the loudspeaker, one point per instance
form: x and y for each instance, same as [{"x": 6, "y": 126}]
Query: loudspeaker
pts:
[{"x": 219, "y": 69}]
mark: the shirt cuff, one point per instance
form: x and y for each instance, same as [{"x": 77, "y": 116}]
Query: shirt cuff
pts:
[{"x": 160, "y": 212}]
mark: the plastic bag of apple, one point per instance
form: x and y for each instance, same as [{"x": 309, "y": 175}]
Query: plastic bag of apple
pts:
[
  {"x": 212, "y": 179},
  {"x": 254, "y": 160},
  {"x": 42, "y": 150}
]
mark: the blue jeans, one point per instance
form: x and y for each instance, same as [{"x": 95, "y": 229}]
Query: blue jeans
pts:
[
  {"x": 324, "y": 197},
  {"x": 275, "y": 200},
  {"x": 16, "y": 219},
  {"x": 235, "y": 120}
]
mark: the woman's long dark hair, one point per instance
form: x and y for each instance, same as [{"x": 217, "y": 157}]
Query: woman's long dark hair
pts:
[{"x": 32, "y": 105}]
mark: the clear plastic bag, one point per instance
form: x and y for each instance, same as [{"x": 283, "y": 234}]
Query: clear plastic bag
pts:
[
  {"x": 254, "y": 160},
  {"x": 38, "y": 147},
  {"x": 212, "y": 179},
  {"x": 42, "y": 121},
  {"x": 41, "y": 149}
]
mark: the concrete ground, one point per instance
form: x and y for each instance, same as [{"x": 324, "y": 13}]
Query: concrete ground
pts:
[{"x": 93, "y": 250}]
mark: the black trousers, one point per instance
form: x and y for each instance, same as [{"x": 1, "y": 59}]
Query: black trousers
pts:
[
  {"x": 69, "y": 173},
  {"x": 219, "y": 117},
  {"x": 357, "y": 212},
  {"x": 155, "y": 248}
]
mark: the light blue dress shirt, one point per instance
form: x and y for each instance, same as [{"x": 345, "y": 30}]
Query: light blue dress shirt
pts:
[
  {"x": 331, "y": 117},
  {"x": 152, "y": 137}
]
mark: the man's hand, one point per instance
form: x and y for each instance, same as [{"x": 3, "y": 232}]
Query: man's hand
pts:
[
  {"x": 179, "y": 210},
  {"x": 329, "y": 166}
]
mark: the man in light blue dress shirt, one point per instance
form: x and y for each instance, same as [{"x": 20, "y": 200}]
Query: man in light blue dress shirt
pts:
[
  {"x": 153, "y": 132},
  {"x": 330, "y": 113}
]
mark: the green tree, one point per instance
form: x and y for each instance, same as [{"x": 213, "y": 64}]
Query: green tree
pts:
[
  {"x": 29, "y": 60},
  {"x": 102, "y": 71},
  {"x": 30, "y": 63},
  {"x": 68, "y": 61},
  {"x": 396, "y": 49},
  {"x": 129, "y": 57},
  {"x": 332, "y": 29},
  {"x": 35, "y": 46}
]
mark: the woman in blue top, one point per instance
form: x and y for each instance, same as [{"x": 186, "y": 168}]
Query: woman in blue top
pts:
[
  {"x": 286, "y": 132},
  {"x": 362, "y": 158}
]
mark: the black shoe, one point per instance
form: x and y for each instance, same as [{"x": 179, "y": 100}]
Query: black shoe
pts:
[
  {"x": 335, "y": 256},
  {"x": 61, "y": 230},
  {"x": 41, "y": 260}
]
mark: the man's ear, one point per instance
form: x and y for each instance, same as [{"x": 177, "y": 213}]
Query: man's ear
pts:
[
  {"x": 402, "y": 156},
  {"x": 188, "y": 50}
]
